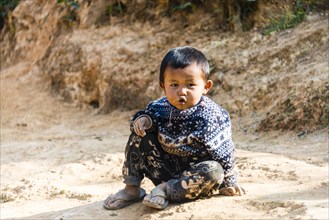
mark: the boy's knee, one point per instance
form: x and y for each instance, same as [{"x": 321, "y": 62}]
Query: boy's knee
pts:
[
  {"x": 211, "y": 170},
  {"x": 206, "y": 174}
]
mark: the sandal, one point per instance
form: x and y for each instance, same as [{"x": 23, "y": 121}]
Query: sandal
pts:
[
  {"x": 156, "y": 193},
  {"x": 124, "y": 198}
]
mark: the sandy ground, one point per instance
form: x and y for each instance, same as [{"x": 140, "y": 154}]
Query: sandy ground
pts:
[{"x": 61, "y": 162}]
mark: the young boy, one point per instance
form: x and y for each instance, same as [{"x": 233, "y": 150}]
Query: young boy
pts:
[{"x": 181, "y": 142}]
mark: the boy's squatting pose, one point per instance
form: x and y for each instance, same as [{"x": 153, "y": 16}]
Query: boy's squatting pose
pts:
[{"x": 181, "y": 142}]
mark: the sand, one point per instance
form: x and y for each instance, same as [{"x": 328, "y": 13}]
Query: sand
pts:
[{"x": 59, "y": 161}]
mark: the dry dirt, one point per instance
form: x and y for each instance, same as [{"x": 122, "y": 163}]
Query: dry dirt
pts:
[
  {"x": 60, "y": 159},
  {"x": 60, "y": 162}
]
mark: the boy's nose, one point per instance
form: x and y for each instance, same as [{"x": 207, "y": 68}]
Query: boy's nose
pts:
[{"x": 182, "y": 91}]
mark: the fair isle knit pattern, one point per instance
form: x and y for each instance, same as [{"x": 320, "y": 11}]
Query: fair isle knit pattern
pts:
[
  {"x": 202, "y": 131},
  {"x": 197, "y": 131}
]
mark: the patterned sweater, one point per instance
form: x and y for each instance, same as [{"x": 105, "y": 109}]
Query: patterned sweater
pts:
[{"x": 202, "y": 131}]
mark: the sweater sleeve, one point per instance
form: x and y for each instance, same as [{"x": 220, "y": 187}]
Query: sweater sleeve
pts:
[
  {"x": 142, "y": 113},
  {"x": 217, "y": 138}
]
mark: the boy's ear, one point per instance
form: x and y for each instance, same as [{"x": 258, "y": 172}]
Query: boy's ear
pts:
[
  {"x": 207, "y": 87},
  {"x": 161, "y": 85}
]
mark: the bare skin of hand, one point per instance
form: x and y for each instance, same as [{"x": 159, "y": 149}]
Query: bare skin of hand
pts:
[
  {"x": 231, "y": 191},
  {"x": 141, "y": 124}
]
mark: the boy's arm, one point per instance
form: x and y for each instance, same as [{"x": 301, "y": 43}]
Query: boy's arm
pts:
[
  {"x": 218, "y": 140},
  {"x": 141, "y": 122},
  {"x": 230, "y": 186}
]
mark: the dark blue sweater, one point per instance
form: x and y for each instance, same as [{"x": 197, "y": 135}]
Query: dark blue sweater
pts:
[{"x": 202, "y": 131}]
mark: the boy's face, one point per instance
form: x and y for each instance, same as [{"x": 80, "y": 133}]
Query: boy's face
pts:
[{"x": 184, "y": 87}]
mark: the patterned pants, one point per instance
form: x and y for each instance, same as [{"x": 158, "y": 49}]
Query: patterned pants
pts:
[{"x": 187, "y": 177}]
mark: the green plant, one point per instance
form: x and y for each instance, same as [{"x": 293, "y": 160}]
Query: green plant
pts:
[
  {"x": 5, "y": 7},
  {"x": 75, "y": 5},
  {"x": 115, "y": 9},
  {"x": 184, "y": 7},
  {"x": 72, "y": 6},
  {"x": 317, "y": 5},
  {"x": 291, "y": 18},
  {"x": 287, "y": 21}
]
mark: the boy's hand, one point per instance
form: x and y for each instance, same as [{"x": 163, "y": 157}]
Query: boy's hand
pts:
[
  {"x": 232, "y": 191},
  {"x": 141, "y": 124}
]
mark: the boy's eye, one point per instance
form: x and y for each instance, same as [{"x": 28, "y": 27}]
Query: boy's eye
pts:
[
  {"x": 173, "y": 85},
  {"x": 190, "y": 84}
]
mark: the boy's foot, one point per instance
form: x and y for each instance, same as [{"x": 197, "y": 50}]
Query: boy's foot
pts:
[
  {"x": 122, "y": 199},
  {"x": 156, "y": 199}
]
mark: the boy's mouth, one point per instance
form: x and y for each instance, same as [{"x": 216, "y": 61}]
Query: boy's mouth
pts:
[{"x": 182, "y": 100}]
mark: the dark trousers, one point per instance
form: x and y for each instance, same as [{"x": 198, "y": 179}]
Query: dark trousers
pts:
[{"x": 187, "y": 177}]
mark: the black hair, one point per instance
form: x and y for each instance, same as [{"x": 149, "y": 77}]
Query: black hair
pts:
[{"x": 181, "y": 57}]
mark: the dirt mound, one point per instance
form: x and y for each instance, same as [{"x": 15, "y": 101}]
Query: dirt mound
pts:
[
  {"x": 110, "y": 60},
  {"x": 307, "y": 111},
  {"x": 262, "y": 78}
]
